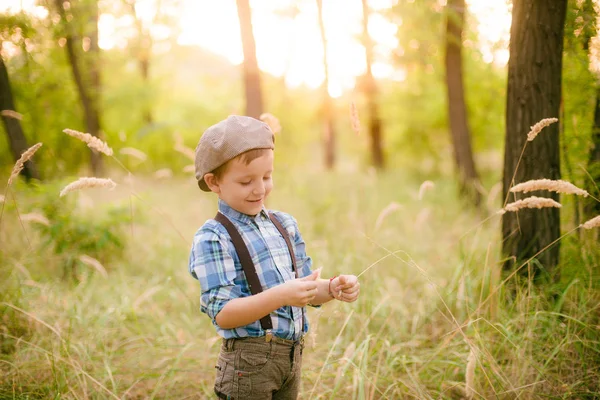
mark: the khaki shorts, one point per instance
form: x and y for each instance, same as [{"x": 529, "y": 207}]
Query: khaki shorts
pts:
[{"x": 252, "y": 368}]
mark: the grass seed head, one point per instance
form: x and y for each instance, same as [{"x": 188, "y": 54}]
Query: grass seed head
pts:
[
  {"x": 530, "y": 202},
  {"x": 592, "y": 223},
  {"x": 135, "y": 153},
  {"x": 11, "y": 114},
  {"x": 36, "y": 217},
  {"x": 424, "y": 187},
  {"x": 87, "y": 182},
  {"x": 558, "y": 186},
  {"x": 21, "y": 162},
  {"x": 272, "y": 121},
  {"x": 92, "y": 141},
  {"x": 537, "y": 128}
]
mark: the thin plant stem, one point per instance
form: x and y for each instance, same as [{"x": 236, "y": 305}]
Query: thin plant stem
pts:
[{"x": 329, "y": 353}]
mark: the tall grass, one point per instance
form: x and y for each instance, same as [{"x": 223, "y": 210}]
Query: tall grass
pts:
[{"x": 433, "y": 301}]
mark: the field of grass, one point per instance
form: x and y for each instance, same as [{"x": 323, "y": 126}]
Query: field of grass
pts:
[{"x": 436, "y": 318}]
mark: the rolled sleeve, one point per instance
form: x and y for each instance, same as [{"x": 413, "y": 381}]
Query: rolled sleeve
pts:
[{"x": 211, "y": 263}]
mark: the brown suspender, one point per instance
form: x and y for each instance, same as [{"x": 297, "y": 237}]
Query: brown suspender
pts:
[
  {"x": 248, "y": 266},
  {"x": 286, "y": 237}
]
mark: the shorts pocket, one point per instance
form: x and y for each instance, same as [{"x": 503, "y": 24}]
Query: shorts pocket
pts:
[
  {"x": 252, "y": 361},
  {"x": 224, "y": 383}
]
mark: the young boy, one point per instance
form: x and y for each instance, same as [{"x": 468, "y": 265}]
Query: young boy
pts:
[{"x": 254, "y": 273}]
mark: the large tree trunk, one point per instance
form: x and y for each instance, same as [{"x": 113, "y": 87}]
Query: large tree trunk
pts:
[
  {"x": 16, "y": 138},
  {"x": 370, "y": 89},
  {"x": 457, "y": 113},
  {"x": 254, "y": 102},
  {"x": 88, "y": 86},
  {"x": 328, "y": 124},
  {"x": 534, "y": 93}
]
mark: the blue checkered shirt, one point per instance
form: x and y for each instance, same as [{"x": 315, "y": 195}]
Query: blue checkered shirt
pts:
[{"x": 214, "y": 262}]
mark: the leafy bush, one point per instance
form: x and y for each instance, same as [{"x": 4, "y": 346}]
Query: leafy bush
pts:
[{"x": 74, "y": 231}]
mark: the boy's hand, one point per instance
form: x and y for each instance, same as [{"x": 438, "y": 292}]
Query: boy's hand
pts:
[
  {"x": 345, "y": 288},
  {"x": 299, "y": 292}
]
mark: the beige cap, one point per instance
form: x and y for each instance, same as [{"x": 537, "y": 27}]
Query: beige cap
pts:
[{"x": 227, "y": 140}]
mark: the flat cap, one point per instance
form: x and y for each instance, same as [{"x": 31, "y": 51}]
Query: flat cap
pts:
[{"x": 228, "y": 139}]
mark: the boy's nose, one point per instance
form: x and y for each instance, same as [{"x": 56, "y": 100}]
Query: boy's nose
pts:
[{"x": 259, "y": 189}]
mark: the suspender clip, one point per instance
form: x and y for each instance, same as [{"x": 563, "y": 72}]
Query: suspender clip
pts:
[{"x": 269, "y": 336}]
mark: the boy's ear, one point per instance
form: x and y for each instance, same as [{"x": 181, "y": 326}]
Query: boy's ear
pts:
[{"x": 212, "y": 182}]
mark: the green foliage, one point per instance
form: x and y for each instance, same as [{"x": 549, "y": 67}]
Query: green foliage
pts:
[
  {"x": 96, "y": 232},
  {"x": 579, "y": 91}
]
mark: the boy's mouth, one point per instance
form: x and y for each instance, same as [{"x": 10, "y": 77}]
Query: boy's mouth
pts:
[{"x": 254, "y": 201}]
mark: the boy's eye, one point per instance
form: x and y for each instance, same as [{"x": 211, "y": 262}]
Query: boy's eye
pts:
[
  {"x": 246, "y": 183},
  {"x": 266, "y": 178}
]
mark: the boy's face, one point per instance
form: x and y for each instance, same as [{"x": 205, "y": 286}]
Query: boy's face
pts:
[{"x": 244, "y": 187}]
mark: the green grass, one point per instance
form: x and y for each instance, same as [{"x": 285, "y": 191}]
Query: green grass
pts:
[{"x": 434, "y": 292}]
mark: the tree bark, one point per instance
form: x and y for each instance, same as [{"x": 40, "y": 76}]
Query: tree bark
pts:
[
  {"x": 88, "y": 87},
  {"x": 16, "y": 138},
  {"x": 328, "y": 123},
  {"x": 254, "y": 102},
  {"x": 370, "y": 88},
  {"x": 143, "y": 52},
  {"x": 457, "y": 112},
  {"x": 534, "y": 93}
]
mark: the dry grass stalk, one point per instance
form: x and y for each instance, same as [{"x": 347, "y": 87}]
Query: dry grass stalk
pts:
[
  {"x": 537, "y": 128},
  {"x": 530, "y": 202},
  {"x": 354, "y": 118},
  {"x": 84, "y": 183},
  {"x": 424, "y": 187},
  {"x": 348, "y": 353},
  {"x": 422, "y": 217},
  {"x": 92, "y": 141},
  {"x": 189, "y": 169},
  {"x": 11, "y": 114},
  {"x": 21, "y": 162},
  {"x": 390, "y": 208},
  {"x": 92, "y": 262},
  {"x": 494, "y": 191},
  {"x": 135, "y": 153},
  {"x": 35, "y": 217},
  {"x": 183, "y": 149},
  {"x": 2, "y": 198},
  {"x": 470, "y": 374},
  {"x": 558, "y": 186},
  {"x": 592, "y": 223},
  {"x": 272, "y": 121},
  {"x": 163, "y": 173}
]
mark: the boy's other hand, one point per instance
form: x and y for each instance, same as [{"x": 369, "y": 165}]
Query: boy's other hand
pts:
[
  {"x": 299, "y": 292},
  {"x": 345, "y": 288}
]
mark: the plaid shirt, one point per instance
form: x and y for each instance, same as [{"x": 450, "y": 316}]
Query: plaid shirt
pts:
[{"x": 214, "y": 262}]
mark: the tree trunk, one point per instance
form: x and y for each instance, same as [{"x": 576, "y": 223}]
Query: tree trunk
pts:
[
  {"x": 16, "y": 138},
  {"x": 534, "y": 93},
  {"x": 457, "y": 113},
  {"x": 591, "y": 206},
  {"x": 370, "y": 89},
  {"x": 88, "y": 87},
  {"x": 254, "y": 104},
  {"x": 329, "y": 127},
  {"x": 143, "y": 52}
]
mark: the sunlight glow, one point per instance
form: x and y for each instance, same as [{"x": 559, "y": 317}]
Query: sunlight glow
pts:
[{"x": 291, "y": 47}]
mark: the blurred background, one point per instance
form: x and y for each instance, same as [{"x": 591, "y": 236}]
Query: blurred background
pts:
[{"x": 391, "y": 152}]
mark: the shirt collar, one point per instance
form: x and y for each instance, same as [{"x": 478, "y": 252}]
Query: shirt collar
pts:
[{"x": 229, "y": 212}]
